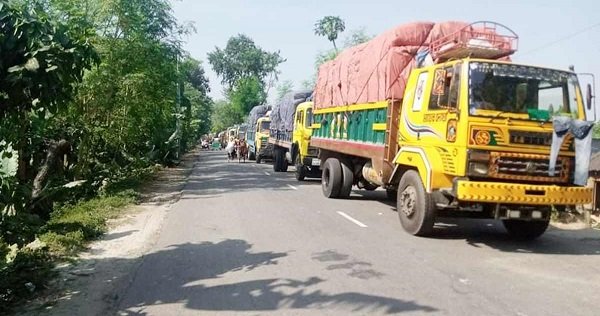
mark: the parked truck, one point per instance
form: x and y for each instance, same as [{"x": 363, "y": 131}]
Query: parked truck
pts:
[
  {"x": 259, "y": 124},
  {"x": 438, "y": 116},
  {"x": 291, "y": 122}
]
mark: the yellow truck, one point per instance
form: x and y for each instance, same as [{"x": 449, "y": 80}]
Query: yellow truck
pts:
[
  {"x": 259, "y": 146},
  {"x": 290, "y": 136},
  {"x": 471, "y": 136}
]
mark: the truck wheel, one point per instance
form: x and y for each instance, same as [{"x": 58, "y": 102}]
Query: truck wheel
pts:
[
  {"x": 331, "y": 180},
  {"x": 300, "y": 169},
  {"x": 525, "y": 230},
  {"x": 258, "y": 158},
  {"x": 284, "y": 163},
  {"x": 415, "y": 206},
  {"x": 347, "y": 181},
  {"x": 276, "y": 160},
  {"x": 252, "y": 156}
]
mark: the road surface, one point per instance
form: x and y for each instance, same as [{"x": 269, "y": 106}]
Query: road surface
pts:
[{"x": 246, "y": 240}]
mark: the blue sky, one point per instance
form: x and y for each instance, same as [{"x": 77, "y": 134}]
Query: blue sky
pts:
[{"x": 287, "y": 26}]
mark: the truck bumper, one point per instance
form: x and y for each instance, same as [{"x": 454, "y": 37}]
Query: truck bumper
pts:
[
  {"x": 312, "y": 162},
  {"x": 511, "y": 193}
]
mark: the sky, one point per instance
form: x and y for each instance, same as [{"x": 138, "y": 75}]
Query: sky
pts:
[{"x": 551, "y": 33}]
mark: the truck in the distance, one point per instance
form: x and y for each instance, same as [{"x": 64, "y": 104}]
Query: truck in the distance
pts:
[
  {"x": 438, "y": 116},
  {"x": 291, "y": 121},
  {"x": 259, "y": 125}
]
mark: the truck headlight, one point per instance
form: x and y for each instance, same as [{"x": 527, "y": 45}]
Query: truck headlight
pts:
[
  {"x": 479, "y": 162},
  {"x": 479, "y": 169}
]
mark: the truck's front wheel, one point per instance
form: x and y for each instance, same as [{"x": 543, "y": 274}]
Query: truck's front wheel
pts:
[
  {"x": 525, "y": 230},
  {"x": 331, "y": 180},
  {"x": 279, "y": 160},
  {"x": 416, "y": 208},
  {"x": 300, "y": 169},
  {"x": 252, "y": 155}
]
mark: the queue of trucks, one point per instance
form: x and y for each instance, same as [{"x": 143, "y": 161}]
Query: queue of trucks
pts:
[{"x": 441, "y": 118}]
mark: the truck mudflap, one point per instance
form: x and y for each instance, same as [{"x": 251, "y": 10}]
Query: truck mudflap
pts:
[{"x": 511, "y": 193}]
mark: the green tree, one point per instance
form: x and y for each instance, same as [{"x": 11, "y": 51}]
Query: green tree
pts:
[
  {"x": 246, "y": 94},
  {"x": 242, "y": 58},
  {"x": 43, "y": 56},
  {"x": 224, "y": 116},
  {"x": 330, "y": 27}
]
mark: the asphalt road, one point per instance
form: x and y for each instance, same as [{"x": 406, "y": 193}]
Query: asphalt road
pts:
[{"x": 244, "y": 240}]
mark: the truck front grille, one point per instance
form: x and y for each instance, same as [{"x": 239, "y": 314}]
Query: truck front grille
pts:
[
  {"x": 530, "y": 138},
  {"x": 537, "y": 139},
  {"x": 528, "y": 167}
]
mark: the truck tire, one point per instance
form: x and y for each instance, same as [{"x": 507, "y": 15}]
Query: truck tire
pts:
[
  {"x": 525, "y": 230},
  {"x": 415, "y": 206},
  {"x": 258, "y": 158},
  {"x": 251, "y": 155},
  {"x": 300, "y": 169},
  {"x": 347, "y": 181},
  {"x": 284, "y": 163},
  {"x": 331, "y": 180},
  {"x": 277, "y": 159}
]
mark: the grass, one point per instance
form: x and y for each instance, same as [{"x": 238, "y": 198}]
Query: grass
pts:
[
  {"x": 72, "y": 226},
  {"x": 67, "y": 232}
]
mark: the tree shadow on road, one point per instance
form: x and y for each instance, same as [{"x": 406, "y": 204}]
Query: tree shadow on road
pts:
[{"x": 185, "y": 274}]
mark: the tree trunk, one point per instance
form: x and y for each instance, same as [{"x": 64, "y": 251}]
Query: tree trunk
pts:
[{"x": 56, "y": 150}]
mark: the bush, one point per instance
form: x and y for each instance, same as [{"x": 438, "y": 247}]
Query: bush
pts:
[{"x": 23, "y": 275}]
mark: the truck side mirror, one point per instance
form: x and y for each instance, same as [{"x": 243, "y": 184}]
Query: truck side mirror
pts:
[{"x": 588, "y": 97}]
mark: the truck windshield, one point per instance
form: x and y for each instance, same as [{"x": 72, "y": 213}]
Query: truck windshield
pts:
[
  {"x": 265, "y": 126},
  {"x": 535, "y": 91}
]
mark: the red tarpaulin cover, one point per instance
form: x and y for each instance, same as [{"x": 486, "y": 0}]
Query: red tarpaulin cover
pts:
[{"x": 378, "y": 69}]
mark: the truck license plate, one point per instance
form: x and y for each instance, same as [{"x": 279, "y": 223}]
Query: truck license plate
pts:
[{"x": 316, "y": 162}]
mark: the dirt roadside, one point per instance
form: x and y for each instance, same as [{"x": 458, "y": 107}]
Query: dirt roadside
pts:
[{"x": 92, "y": 284}]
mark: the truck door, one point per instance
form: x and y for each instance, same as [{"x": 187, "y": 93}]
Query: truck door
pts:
[
  {"x": 298, "y": 126},
  {"x": 434, "y": 121}
]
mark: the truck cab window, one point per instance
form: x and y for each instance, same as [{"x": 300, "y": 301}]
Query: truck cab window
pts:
[
  {"x": 444, "y": 93},
  {"x": 309, "y": 118},
  {"x": 299, "y": 119}
]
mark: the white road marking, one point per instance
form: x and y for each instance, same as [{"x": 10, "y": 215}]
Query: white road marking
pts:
[
  {"x": 267, "y": 173},
  {"x": 292, "y": 187},
  {"x": 348, "y": 217}
]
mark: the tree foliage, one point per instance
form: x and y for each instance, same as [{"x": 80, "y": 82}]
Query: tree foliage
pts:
[
  {"x": 91, "y": 94},
  {"x": 330, "y": 27},
  {"x": 247, "y": 93},
  {"x": 242, "y": 58},
  {"x": 224, "y": 116}
]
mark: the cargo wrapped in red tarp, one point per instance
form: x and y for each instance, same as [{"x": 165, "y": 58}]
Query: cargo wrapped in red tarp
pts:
[{"x": 378, "y": 69}]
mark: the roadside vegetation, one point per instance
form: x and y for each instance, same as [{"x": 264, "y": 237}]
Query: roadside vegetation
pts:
[{"x": 93, "y": 96}]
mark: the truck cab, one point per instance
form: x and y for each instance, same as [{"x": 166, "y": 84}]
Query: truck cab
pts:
[
  {"x": 480, "y": 135},
  {"x": 262, "y": 147},
  {"x": 304, "y": 156}
]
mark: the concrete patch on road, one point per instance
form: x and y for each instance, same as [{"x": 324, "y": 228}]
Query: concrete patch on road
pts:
[{"x": 354, "y": 268}]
